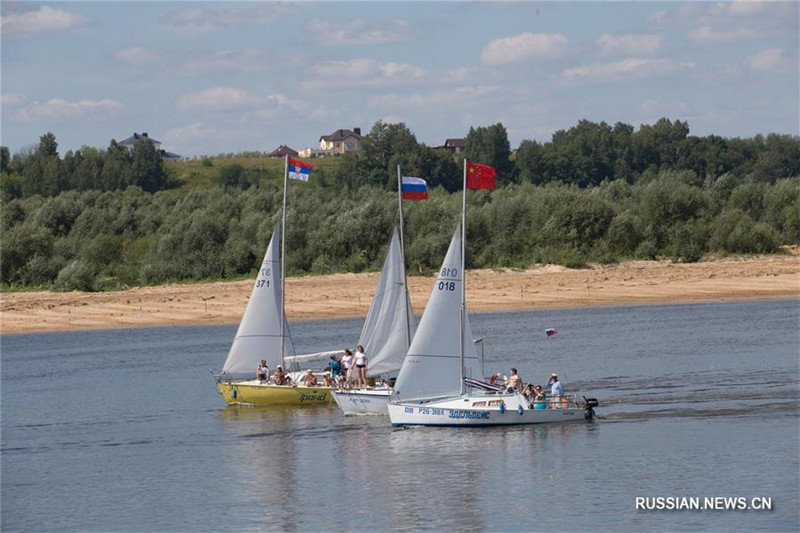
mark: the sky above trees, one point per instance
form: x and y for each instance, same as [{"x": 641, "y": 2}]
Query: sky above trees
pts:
[{"x": 207, "y": 78}]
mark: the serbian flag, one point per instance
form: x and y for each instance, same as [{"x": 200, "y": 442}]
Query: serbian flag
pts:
[
  {"x": 414, "y": 188},
  {"x": 480, "y": 176},
  {"x": 299, "y": 170},
  {"x": 550, "y": 332}
]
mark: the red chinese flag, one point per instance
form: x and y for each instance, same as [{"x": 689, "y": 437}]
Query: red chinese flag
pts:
[{"x": 480, "y": 176}]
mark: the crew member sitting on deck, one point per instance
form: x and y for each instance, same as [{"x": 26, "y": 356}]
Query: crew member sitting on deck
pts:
[
  {"x": 281, "y": 378},
  {"x": 310, "y": 380},
  {"x": 538, "y": 398}
]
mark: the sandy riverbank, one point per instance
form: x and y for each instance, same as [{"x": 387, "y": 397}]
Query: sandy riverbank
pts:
[{"x": 349, "y": 295}]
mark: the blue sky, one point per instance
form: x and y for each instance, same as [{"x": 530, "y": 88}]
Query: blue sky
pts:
[{"x": 216, "y": 77}]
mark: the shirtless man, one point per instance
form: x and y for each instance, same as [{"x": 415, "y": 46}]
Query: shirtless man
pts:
[
  {"x": 514, "y": 381},
  {"x": 309, "y": 380}
]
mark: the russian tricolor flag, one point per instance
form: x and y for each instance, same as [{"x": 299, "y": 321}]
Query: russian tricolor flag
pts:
[
  {"x": 414, "y": 188},
  {"x": 299, "y": 170}
]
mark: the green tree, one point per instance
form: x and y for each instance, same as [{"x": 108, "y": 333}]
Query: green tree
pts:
[
  {"x": 232, "y": 176},
  {"x": 147, "y": 168},
  {"x": 383, "y": 148}
]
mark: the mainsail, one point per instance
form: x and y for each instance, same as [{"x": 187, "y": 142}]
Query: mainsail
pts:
[
  {"x": 259, "y": 333},
  {"x": 432, "y": 368},
  {"x": 390, "y": 324}
]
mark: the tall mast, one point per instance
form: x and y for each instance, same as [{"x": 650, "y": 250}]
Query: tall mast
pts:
[
  {"x": 283, "y": 262},
  {"x": 403, "y": 252},
  {"x": 463, "y": 273}
]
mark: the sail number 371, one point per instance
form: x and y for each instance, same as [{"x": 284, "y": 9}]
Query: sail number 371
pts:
[{"x": 263, "y": 282}]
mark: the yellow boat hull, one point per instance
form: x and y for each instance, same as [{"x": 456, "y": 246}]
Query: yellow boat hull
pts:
[{"x": 253, "y": 393}]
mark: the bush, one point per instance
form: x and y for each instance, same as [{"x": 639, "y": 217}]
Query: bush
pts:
[
  {"x": 734, "y": 231},
  {"x": 76, "y": 276}
]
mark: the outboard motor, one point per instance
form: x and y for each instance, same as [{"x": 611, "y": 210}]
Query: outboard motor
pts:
[{"x": 588, "y": 408}]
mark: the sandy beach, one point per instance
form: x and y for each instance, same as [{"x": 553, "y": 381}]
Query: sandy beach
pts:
[{"x": 349, "y": 295}]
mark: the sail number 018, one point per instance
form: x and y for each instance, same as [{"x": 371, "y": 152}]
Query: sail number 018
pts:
[{"x": 448, "y": 285}]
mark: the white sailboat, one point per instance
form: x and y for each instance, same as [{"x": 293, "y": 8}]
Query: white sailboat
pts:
[
  {"x": 386, "y": 335},
  {"x": 431, "y": 389},
  {"x": 388, "y": 328}
]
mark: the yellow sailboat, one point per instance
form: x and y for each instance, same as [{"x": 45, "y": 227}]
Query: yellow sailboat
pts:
[{"x": 263, "y": 334}]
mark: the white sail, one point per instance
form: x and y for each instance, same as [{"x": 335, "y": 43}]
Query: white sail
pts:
[
  {"x": 259, "y": 333},
  {"x": 432, "y": 368},
  {"x": 390, "y": 323}
]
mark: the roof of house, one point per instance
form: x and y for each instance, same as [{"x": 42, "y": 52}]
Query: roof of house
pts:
[
  {"x": 339, "y": 135},
  {"x": 138, "y": 137},
  {"x": 282, "y": 150},
  {"x": 456, "y": 143}
]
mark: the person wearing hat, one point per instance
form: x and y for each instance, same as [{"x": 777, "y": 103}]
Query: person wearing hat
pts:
[
  {"x": 556, "y": 390},
  {"x": 280, "y": 377}
]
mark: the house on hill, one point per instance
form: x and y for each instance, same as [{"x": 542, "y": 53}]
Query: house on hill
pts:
[
  {"x": 131, "y": 141},
  {"x": 282, "y": 151},
  {"x": 337, "y": 143},
  {"x": 454, "y": 145}
]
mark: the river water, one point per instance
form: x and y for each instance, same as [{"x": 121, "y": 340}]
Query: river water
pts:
[{"x": 123, "y": 430}]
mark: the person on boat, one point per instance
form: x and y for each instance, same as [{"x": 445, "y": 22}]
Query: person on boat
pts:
[
  {"x": 347, "y": 365},
  {"x": 280, "y": 377},
  {"x": 538, "y": 398},
  {"x": 514, "y": 381},
  {"x": 493, "y": 379},
  {"x": 556, "y": 389},
  {"x": 309, "y": 379},
  {"x": 361, "y": 367},
  {"x": 262, "y": 372},
  {"x": 528, "y": 392},
  {"x": 336, "y": 369},
  {"x": 326, "y": 380}
]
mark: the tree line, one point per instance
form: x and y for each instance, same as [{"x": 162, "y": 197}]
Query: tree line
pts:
[
  {"x": 41, "y": 171},
  {"x": 583, "y": 197}
]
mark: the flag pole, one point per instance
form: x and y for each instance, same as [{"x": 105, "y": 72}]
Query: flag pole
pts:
[
  {"x": 463, "y": 273},
  {"x": 283, "y": 263},
  {"x": 403, "y": 252}
]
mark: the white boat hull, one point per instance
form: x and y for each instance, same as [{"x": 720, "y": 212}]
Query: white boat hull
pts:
[
  {"x": 462, "y": 412},
  {"x": 363, "y": 402}
]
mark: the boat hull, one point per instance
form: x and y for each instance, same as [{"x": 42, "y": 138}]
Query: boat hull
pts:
[
  {"x": 363, "y": 402},
  {"x": 460, "y": 412},
  {"x": 253, "y": 393}
]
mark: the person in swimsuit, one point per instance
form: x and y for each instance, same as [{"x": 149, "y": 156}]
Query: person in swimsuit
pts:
[
  {"x": 514, "y": 381},
  {"x": 347, "y": 365},
  {"x": 310, "y": 380},
  {"x": 361, "y": 367}
]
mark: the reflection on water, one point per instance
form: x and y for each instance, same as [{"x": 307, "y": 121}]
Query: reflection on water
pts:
[{"x": 125, "y": 431}]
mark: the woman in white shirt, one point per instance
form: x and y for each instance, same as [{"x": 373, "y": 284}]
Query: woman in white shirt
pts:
[
  {"x": 347, "y": 364},
  {"x": 361, "y": 367}
]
